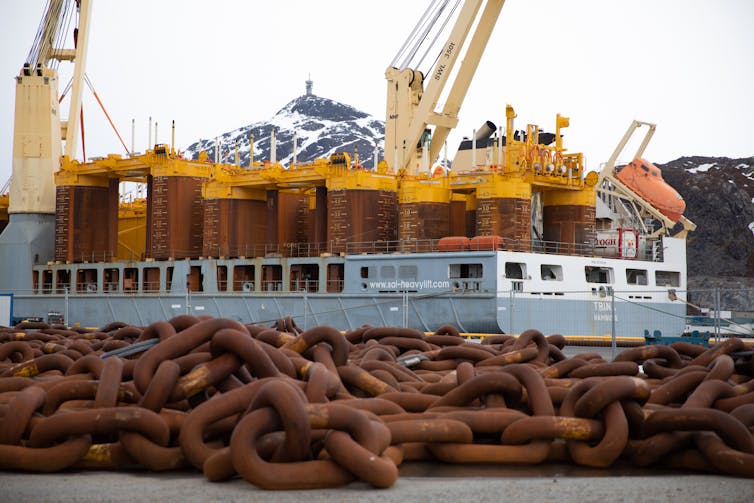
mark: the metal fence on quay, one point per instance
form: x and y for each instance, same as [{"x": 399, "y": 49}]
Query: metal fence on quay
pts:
[{"x": 609, "y": 314}]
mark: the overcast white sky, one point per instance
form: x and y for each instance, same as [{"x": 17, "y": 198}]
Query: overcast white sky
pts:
[{"x": 212, "y": 66}]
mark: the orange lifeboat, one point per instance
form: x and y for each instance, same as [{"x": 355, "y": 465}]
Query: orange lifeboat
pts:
[
  {"x": 453, "y": 243},
  {"x": 646, "y": 180},
  {"x": 478, "y": 243}
]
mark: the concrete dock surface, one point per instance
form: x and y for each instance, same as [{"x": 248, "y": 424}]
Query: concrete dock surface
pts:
[{"x": 418, "y": 482}]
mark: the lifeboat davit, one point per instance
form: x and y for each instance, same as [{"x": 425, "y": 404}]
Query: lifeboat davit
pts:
[{"x": 646, "y": 180}]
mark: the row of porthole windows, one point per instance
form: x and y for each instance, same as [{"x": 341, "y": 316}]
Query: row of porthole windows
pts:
[
  {"x": 518, "y": 270},
  {"x": 405, "y": 272},
  {"x": 596, "y": 274}
]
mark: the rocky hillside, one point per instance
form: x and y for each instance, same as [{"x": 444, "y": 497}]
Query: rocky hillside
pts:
[{"x": 719, "y": 195}]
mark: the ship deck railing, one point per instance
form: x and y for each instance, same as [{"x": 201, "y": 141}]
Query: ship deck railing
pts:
[{"x": 335, "y": 248}]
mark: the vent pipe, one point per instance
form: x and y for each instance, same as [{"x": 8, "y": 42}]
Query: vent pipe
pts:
[
  {"x": 485, "y": 131},
  {"x": 251, "y": 150},
  {"x": 295, "y": 137},
  {"x": 473, "y": 150},
  {"x": 273, "y": 147}
]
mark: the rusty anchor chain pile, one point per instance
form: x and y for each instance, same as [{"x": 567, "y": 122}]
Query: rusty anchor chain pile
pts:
[{"x": 286, "y": 409}]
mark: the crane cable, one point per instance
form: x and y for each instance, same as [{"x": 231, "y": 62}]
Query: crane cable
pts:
[
  {"x": 6, "y": 185},
  {"x": 410, "y": 37},
  {"x": 432, "y": 24},
  {"x": 419, "y": 34},
  {"x": 107, "y": 115},
  {"x": 62, "y": 31},
  {"x": 102, "y": 106},
  {"x": 437, "y": 35},
  {"x": 51, "y": 33}
]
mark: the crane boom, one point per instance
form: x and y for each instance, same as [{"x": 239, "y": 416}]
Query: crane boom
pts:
[
  {"x": 72, "y": 127},
  {"x": 411, "y": 109}
]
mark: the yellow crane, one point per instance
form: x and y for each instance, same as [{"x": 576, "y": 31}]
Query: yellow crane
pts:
[
  {"x": 38, "y": 128},
  {"x": 412, "y": 119}
]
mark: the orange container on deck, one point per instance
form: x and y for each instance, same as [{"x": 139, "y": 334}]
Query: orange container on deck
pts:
[
  {"x": 486, "y": 243},
  {"x": 453, "y": 244}
]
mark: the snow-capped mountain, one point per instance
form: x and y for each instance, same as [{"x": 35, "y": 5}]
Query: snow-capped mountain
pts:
[{"x": 322, "y": 127}]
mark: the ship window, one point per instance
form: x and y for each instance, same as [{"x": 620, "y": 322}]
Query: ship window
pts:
[
  {"x": 334, "y": 277},
  {"x": 367, "y": 272},
  {"x": 667, "y": 278},
  {"x": 551, "y": 272},
  {"x": 243, "y": 278},
  {"x": 636, "y": 276},
  {"x": 46, "y": 281},
  {"x": 272, "y": 278},
  {"x": 151, "y": 279},
  {"x": 222, "y": 278},
  {"x": 63, "y": 281},
  {"x": 195, "y": 279},
  {"x": 387, "y": 271},
  {"x": 130, "y": 279},
  {"x": 111, "y": 280},
  {"x": 407, "y": 272},
  {"x": 515, "y": 270},
  {"x": 598, "y": 274},
  {"x": 304, "y": 277},
  {"x": 464, "y": 271},
  {"x": 86, "y": 281}
]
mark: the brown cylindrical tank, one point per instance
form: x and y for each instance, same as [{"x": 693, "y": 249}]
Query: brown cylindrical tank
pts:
[
  {"x": 420, "y": 223},
  {"x": 463, "y": 214},
  {"x": 457, "y": 222},
  {"x": 423, "y": 212},
  {"x": 288, "y": 213},
  {"x": 86, "y": 223},
  {"x": 503, "y": 208},
  {"x": 509, "y": 218},
  {"x": 319, "y": 225},
  {"x": 362, "y": 217},
  {"x": 568, "y": 220},
  {"x": 175, "y": 217},
  {"x": 234, "y": 227}
]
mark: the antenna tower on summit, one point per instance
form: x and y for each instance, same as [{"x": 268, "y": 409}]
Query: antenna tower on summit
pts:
[{"x": 309, "y": 85}]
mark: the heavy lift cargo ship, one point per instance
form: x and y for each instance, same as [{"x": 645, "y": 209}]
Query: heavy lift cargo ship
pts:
[{"x": 516, "y": 234}]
